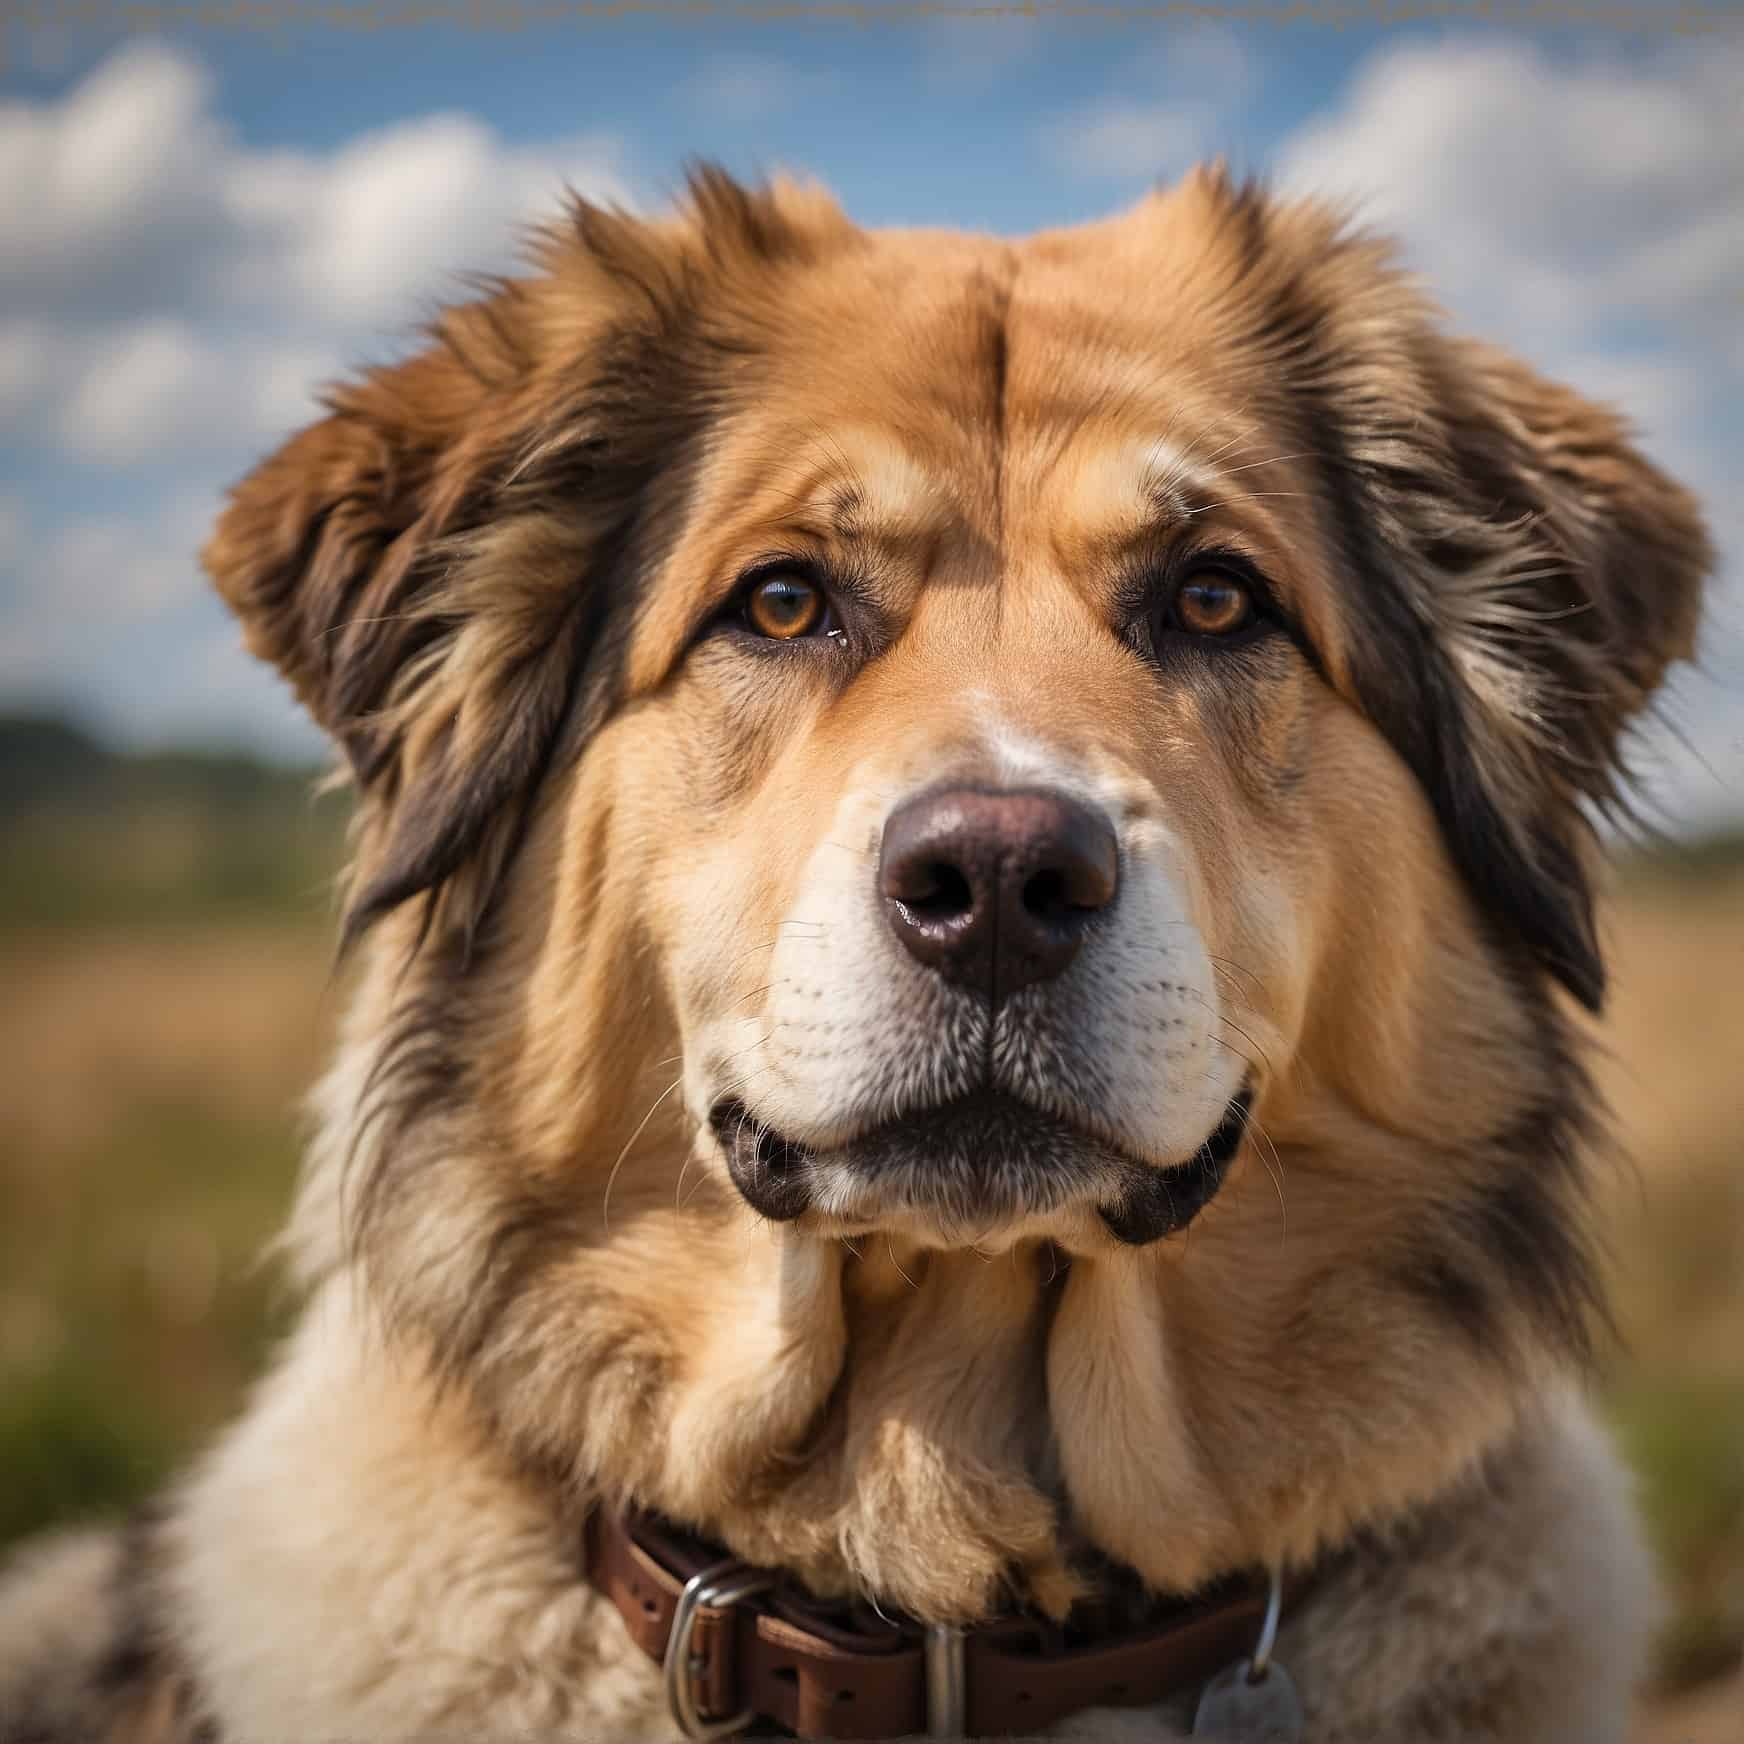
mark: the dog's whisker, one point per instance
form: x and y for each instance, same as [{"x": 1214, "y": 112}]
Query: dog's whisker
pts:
[
  {"x": 641, "y": 1126},
  {"x": 890, "y": 1248},
  {"x": 1230, "y": 1047},
  {"x": 765, "y": 988},
  {"x": 1264, "y": 1058},
  {"x": 1238, "y": 968},
  {"x": 1274, "y": 1166},
  {"x": 1218, "y": 1016},
  {"x": 745, "y": 1077},
  {"x": 753, "y": 950}
]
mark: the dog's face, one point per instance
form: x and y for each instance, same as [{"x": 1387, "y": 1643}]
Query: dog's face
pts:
[{"x": 983, "y": 746}]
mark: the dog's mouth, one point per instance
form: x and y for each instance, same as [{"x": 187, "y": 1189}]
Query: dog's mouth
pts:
[{"x": 979, "y": 1160}]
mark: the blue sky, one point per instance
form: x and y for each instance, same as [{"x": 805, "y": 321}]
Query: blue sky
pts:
[{"x": 198, "y": 226}]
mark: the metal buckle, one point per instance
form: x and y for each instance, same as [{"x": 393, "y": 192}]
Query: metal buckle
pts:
[{"x": 725, "y": 1583}]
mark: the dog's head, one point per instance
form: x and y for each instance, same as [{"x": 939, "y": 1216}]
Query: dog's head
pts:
[{"x": 876, "y": 749}]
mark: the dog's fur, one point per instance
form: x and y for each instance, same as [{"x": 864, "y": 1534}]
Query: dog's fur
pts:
[{"x": 615, "y": 862}]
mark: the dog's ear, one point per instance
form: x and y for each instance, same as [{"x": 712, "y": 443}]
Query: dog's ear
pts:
[
  {"x": 1545, "y": 576},
  {"x": 347, "y": 557},
  {"x": 1564, "y": 573},
  {"x": 438, "y": 566},
  {"x": 1519, "y": 576},
  {"x": 320, "y": 551}
]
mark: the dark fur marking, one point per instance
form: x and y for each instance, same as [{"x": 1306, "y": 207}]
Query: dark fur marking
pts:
[
  {"x": 998, "y": 342},
  {"x": 139, "y": 1676},
  {"x": 1523, "y": 1238},
  {"x": 1404, "y": 677}
]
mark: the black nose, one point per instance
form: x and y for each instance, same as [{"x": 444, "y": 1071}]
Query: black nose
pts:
[{"x": 993, "y": 889}]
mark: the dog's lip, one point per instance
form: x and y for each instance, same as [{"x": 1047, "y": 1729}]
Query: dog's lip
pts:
[
  {"x": 1159, "y": 1201},
  {"x": 770, "y": 1171},
  {"x": 773, "y": 1172}
]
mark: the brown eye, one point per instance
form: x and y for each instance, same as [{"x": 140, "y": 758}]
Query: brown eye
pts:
[
  {"x": 784, "y": 607},
  {"x": 1212, "y": 604}
]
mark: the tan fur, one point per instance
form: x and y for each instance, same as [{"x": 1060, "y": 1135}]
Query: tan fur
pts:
[{"x": 612, "y": 867}]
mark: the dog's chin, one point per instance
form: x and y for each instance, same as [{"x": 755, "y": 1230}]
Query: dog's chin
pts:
[{"x": 971, "y": 1168}]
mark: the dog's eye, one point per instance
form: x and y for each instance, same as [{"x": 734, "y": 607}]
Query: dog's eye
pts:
[
  {"x": 1211, "y": 603},
  {"x": 785, "y": 607}
]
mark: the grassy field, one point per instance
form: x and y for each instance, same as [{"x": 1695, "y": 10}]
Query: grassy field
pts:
[
  {"x": 168, "y": 999},
  {"x": 1676, "y": 1387}
]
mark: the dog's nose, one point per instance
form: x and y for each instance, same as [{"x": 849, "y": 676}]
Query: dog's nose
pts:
[{"x": 993, "y": 889}]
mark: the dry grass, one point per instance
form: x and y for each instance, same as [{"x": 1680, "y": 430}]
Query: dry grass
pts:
[
  {"x": 1676, "y": 1080},
  {"x": 231, "y": 1016},
  {"x": 147, "y": 1138}
]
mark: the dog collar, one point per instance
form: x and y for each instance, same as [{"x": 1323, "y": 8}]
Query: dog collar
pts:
[{"x": 743, "y": 1648}]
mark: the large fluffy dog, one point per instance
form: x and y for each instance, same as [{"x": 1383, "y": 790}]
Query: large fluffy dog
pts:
[{"x": 972, "y": 875}]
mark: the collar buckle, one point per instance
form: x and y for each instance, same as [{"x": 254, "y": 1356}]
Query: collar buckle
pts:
[
  {"x": 728, "y": 1583},
  {"x": 721, "y": 1584}
]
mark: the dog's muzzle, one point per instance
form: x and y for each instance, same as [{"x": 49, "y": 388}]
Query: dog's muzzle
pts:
[
  {"x": 995, "y": 892},
  {"x": 982, "y": 1159}
]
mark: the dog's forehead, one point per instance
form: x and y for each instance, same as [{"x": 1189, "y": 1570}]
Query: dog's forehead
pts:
[{"x": 968, "y": 412}]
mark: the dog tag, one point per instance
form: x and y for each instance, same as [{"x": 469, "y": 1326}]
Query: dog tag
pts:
[{"x": 1244, "y": 1712}]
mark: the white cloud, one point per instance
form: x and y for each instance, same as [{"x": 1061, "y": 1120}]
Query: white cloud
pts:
[
  {"x": 173, "y": 298},
  {"x": 1120, "y": 139},
  {"x": 31, "y": 361},
  {"x": 384, "y": 220},
  {"x": 93, "y": 584},
  {"x": 1586, "y": 214},
  {"x": 138, "y": 392},
  {"x": 120, "y": 182},
  {"x": 1547, "y": 196},
  {"x": 159, "y": 390},
  {"x": 164, "y": 281},
  {"x": 115, "y": 611},
  {"x": 119, "y": 571}
]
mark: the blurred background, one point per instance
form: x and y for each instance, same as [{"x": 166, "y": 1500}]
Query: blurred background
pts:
[{"x": 204, "y": 213}]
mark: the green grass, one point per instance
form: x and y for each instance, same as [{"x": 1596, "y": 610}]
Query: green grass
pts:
[
  {"x": 135, "y": 1308},
  {"x": 1685, "y": 1440}
]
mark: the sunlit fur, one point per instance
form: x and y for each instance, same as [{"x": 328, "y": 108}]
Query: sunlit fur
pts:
[{"x": 613, "y": 864}]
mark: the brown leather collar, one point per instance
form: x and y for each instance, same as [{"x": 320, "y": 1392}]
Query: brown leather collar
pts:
[{"x": 744, "y": 1649}]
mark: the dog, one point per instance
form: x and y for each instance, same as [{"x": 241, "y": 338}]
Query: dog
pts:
[{"x": 973, "y": 916}]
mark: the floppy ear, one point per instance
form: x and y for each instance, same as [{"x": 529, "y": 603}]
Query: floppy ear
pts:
[
  {"x": 440, "y": 565},
  {"x": 319, "y": 551},
  {"x": 1520, "y": 577},
  {"x": 350, "y": 556},
  {"x": 1553, "y": 574}
]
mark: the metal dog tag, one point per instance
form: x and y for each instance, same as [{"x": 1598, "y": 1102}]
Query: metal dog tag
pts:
[{"x": 1245, "y": 1712}]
